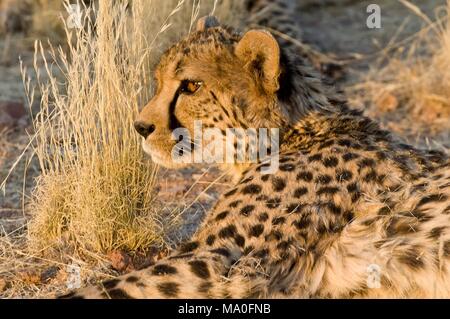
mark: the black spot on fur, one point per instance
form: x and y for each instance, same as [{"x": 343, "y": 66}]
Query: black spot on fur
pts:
[
  {"x": 446, "y": 248},
  {"x": 278, "y": 184},
  {"x": 326, "y": 144},
  {"x": 69, "y": 295},
  {"x": 265, "y": 177},
  {"x": 332, "y": 207},
  {"x": 235, "y": 204},
  {"x": 412, "y": 258},
  {"x": 356, "y": 196},
  {"x": 369, "y": 222},
  {"x": 263, "y": 217},
  {"x": 273, "y": 203},
  {"x": 330, "y": 161},
  {"x": 287, "y": 167},
  {"x": 262, "y": 253},
  {"x": 344, "y": 175},
  {"x": 221, "y": 251},
  {"x": 231, "y": 192},
  {"x": 436, "y": 232},
  {"x": 370, "y": 177},
  {"x": 109, "y": 284},
  {"x": 446, "y": 210},
  {"x": 256, "y": 230},
  {"x": 275, "y": 235},
  {"x": 302, "y": 223},
  {"x": 210, "y": 240},
  {"x": 432, "y": 198},
  {"x": 168, "y": 289},
  {"x": 353, "y": 187},
  {"x": 327, "y": 190},
  {"x": 366, "y": 162},
  {"x": 301, "y": 191},
  {"x": 348, "y": 216},
  {"x": 181, "y": 256},
  {"x": 285, "y": 160},
  {"x": 344, "y": 143},
  {"x": 305, "y": 176},
  {"x": 381, "y": 155},
  {"x": 188, "y": 247},
  {"x": 278, "y": 221},
  {"x": 204, "y": 287},
  {"x": 222, "y": 215},
  {"x": 246, "y": 210},
  {"x": 315, "y": 158},
  {"x": 118, "y": 294},
  {"x": 163, "y": 269},
  {"x": 384, "y": 211},
  {"x": 421, "y": 216},
  {"x": 381, "y": 178},
  {"x": 262, "y": 198},
  {"x": 398, "y": 226},
  {"x": 347, "y": 157},
  {"x": 251, "y": 189},
  {"x": 227, "y": 232},
  {"x": 284, "y": 245},
  {"x": 239, "y": 240},
  {"x": 200, "y": 269},
  {"x": 324, "y": 179},
  {"x": 132, "y": 279}
]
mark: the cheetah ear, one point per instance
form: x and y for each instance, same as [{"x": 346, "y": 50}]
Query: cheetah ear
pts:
[
  {"x": 207, "y": 22},
  {"x": 260, "y": 52}
]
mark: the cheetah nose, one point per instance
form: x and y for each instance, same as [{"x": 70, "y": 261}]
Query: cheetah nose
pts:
[{"x": 144, "y": 129}]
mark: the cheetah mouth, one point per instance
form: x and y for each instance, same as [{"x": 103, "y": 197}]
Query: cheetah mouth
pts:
[{"x": 160, "y": 158}]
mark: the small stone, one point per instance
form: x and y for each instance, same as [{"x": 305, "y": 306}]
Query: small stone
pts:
[
  {"x": 12, "y": 115},
  {"x": 121, "y": 261},
  {"x": 3, "y": 284}
]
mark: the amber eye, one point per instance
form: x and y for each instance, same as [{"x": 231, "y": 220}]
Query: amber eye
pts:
[{"x": 190, "y": 87}]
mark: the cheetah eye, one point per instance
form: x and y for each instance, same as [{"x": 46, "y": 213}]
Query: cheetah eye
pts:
[{"x": 190, "y": 87}]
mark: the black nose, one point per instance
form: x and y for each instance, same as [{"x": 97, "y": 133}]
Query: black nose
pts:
[{"x": 144, "y": 129}]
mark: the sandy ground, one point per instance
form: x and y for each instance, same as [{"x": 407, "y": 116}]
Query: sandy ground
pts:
[{"x": 334, "y": 27}]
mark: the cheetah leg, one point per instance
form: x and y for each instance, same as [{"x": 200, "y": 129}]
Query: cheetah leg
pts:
[{"x": 200, "y": 275}]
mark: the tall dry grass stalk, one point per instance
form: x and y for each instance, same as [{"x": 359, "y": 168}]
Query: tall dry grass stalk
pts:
[
  {"x": 96, "y": 188},
  {"x": 414, "y": 75}
]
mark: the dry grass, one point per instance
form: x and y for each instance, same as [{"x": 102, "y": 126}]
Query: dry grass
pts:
[
  {"x": 95, "y": 191},
  {"x": 412, "y": 77}
]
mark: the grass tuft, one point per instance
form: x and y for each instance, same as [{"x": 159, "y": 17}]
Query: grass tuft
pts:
[{"x": 413, "y": 77}]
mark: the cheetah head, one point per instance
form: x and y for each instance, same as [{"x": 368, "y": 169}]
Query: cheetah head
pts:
[{"x": 215, "y": 77}]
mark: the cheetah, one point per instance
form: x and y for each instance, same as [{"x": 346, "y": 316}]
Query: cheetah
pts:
[{"x": 348, "y": 199}]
